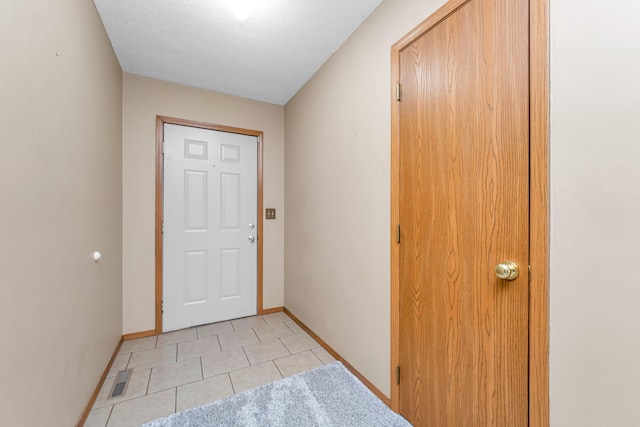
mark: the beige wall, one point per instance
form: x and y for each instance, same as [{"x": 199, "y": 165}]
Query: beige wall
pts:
[
  {"x": 338, "y": 193},
  {"x": 595, "y": 213},
  {"x": 60, "y": 199},
  {"x": 143, "y": 99}
]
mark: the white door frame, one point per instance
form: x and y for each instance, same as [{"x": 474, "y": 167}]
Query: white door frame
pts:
[{"x": 160, "y": 122}]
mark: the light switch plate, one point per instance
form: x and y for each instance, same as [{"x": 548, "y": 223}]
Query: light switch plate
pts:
[{"x": 270, "y": 213}]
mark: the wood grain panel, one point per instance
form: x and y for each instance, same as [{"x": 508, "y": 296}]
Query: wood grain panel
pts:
[
  {"x": 463, "y": 207},
  {"x": 539, "y": 212}
]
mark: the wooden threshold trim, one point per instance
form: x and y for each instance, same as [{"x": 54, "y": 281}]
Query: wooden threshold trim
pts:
[
  {"x": 337, "y": 356},
  {"x": 136, "y": 335},
  {"x": 160, "y": 122},
  {"x": 270, "y": 310},
  {"x": 94, "y": 396}
]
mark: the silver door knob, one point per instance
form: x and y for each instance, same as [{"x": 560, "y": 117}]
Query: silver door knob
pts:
[
  {"x": 251, "y": 226},
  {"x": 507, "y": 270},
  {"x": 252, "y": 239}
]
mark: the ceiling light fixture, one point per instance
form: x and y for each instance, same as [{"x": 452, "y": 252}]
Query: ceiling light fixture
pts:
[{"x": 241, "y": 9}]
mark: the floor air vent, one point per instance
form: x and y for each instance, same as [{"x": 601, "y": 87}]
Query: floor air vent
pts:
[{"x": 120, "y": 384}]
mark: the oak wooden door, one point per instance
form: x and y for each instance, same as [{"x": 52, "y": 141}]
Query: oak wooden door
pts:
[{"x": 464, "y": 207}]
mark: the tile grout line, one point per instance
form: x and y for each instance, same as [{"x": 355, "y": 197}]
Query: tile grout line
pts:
[
  {"x": 276, "y": 365},
  {"x": 316, "y": 356},
  {"x": 109, "y": 417},
  {"x": 146, "y": 393},
  {"x": 231, "y": 382},
  {"x": 285, "y": 345},
  {"x": 176, "y": 387},
  {"x": 287, "y": 326},
  {"x": 175, "y": 400},
  {"x": 247, "y": 357}
]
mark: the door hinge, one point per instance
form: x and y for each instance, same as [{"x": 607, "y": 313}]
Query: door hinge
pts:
[
  {"x": 398, "y": 233},
  {"x": 397, "y": 374},
  {"x": 398, "y": 91},
  {"x": 162, "y": 226},
  {"x": 162, "y": 306},
  {"x": 529, "y": 274},
  {"x": 162, "y": 147}
]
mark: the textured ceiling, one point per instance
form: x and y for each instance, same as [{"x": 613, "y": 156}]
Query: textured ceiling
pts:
[{"x": 268, "y": 57}]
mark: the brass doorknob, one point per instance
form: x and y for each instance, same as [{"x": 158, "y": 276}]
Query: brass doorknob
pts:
[{"x": 507, "y": 270}]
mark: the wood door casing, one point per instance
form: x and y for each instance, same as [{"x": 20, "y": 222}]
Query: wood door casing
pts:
[{"x": 463, "y": 207}]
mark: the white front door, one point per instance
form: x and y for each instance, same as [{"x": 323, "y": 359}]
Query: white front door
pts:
[{"x": 210, "y": 226}]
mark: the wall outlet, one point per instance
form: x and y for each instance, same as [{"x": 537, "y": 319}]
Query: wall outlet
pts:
[{"x": 270, "y": 213}]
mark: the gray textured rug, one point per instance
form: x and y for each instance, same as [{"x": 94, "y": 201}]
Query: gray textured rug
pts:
[{"x": 327, "y": 396}]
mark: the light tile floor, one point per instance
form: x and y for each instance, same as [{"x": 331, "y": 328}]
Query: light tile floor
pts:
[{"x": 187, "y": 368}]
